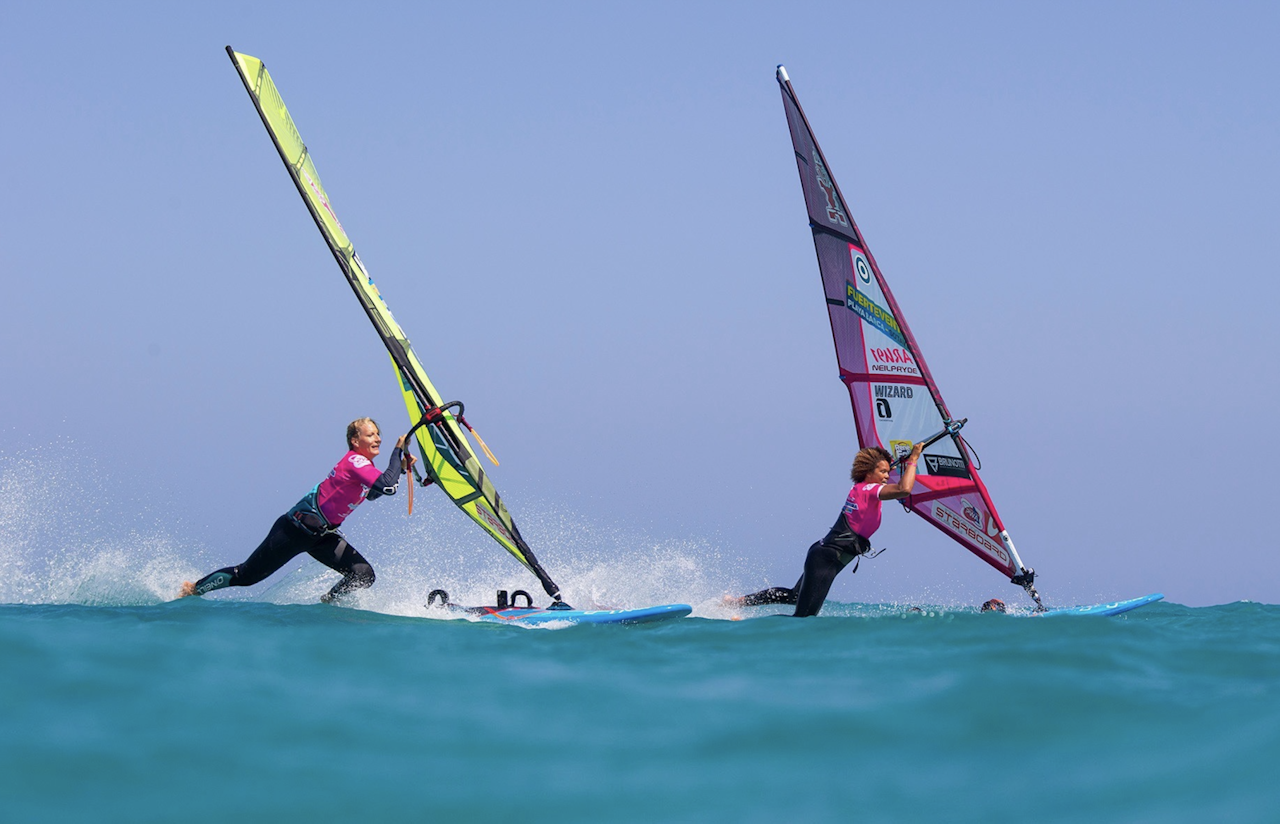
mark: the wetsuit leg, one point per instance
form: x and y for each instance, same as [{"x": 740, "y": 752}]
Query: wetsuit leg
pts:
[
  {"x": 333, "y": 551},
  {"x": 285, "y": 540},
  {"x": 772, "y": 595},
  {"x": 821, "y": 566}
]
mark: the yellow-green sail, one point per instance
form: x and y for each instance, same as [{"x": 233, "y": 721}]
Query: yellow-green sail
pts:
[{"x": 446, "y": 452}]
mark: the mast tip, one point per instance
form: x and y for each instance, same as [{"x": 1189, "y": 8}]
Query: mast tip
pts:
[{"x": 782, "y": 73}]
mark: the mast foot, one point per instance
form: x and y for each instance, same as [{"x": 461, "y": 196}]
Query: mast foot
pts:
[{"x": 1026, "y": 580}]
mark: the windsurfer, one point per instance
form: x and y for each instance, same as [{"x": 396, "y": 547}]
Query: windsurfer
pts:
[
  {"x": 311, "y": 526},
  {"x": 848, "y": 538}
]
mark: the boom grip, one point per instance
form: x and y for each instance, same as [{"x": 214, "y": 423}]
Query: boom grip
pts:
[{"x": 952, "y": 428}]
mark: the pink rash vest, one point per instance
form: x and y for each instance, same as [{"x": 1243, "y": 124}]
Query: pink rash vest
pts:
[
  {"x": 862, "y": 509},
  {"x": 348, "y": 484}
]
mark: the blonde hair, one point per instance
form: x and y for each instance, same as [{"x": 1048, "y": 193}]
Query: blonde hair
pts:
[
  {"x": 867, "y": 460},
  {"x": 353, "y": 429}
]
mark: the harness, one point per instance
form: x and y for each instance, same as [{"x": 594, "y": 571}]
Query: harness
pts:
[
  {"x": 849, "y": 544},
  {"x": 307, "y": 515}
]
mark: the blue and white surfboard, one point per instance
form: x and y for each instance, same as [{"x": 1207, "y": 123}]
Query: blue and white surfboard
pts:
[{"x": 1114, "y": 608}]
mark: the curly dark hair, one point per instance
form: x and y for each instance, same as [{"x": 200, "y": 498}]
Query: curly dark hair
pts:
[{"x": 866, "y": 460}]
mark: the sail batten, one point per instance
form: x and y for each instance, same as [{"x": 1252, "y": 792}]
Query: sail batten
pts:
[
  {"x": 446, "y": 452},
  {"x": 896, "y": 401}
]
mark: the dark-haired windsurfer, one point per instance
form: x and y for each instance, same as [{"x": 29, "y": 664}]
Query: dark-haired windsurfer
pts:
[{"x": 848, "y": 538}]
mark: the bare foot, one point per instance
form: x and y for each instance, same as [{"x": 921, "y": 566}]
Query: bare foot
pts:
[{"x": 188, "y": 588}]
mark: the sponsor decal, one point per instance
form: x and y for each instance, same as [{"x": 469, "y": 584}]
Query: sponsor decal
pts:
[
  {"x": 861, "y": 266},
  {"x": 359, "y": 461},
  {"x": 946, "y": 466},
  {"x": 900, "y": 449},
  {"x": 890, "y": 354},
  {"x": 835, "y": 210},
  {"x": 493, "y": 521},
  {"x": 979, "y": 517},
  {"x": 960, "y": 526},
  {"x": 217, "y": 580},
  {"x": 891, "y": 359},
  {"x": 884, "y": 410},
  {"x": 872, "y": 312},
  {"x": 892, "y": 390},
  {"x": 323, "y": 198}
]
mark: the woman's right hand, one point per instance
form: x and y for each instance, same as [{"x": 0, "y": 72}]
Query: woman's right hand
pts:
[{"x": 406, "y": 457}]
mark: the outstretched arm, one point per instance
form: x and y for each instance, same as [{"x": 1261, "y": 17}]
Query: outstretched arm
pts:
[{"x": 894, "y": 492}]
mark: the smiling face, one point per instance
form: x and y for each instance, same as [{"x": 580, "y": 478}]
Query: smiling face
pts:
[
  {"x": 879, "y": 475},
  {"x": 367, "y": 440},
  {"x": 867, "y": 463}
]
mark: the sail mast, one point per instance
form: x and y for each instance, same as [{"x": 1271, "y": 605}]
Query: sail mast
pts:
[{"x": 895, "y": 399}]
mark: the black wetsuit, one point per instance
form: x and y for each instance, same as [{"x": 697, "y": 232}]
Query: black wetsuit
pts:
[
  {"x": 302, "y": 530},
  {"x": 821, "y": 566}
]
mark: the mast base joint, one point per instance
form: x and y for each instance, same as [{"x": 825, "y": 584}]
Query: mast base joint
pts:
[{"x": 1026, "y": 580}]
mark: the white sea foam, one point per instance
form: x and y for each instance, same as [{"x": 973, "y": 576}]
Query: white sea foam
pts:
[
  {"x": 70, "y": 536},
  {"x": 79, "y": 537}
]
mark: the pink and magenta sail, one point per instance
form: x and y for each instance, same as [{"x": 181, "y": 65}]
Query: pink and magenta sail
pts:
[{"x": 896, "y": 401}]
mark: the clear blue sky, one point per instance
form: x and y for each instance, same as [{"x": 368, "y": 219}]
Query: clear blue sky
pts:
[{"x": 587, "y": 217}]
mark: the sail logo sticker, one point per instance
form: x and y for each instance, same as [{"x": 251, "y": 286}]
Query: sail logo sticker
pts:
[
  {"x": 861, "y": 266},
  {"x": 492, "y": 521},
  {"x": 323, "y": 198},
  {"x": 900, "y": 449},
  {"x": 969, "y": 532},
  {"x": 890, "y": 355},
  {"x": 883, "y": 392},
  {"x": 980, "y": 517},
  {"x": 835, "y": 211},
  {"x": 872, "y": 312},
  {"x": 946, "y": 466},
  {"x": 891, "y": 360}
]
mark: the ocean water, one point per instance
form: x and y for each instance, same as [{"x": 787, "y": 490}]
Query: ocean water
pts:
[
  {"x": 119, "y": 704},
  {"x": 242, "y": 709}
]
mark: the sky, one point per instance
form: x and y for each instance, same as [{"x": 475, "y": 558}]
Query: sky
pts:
[{"x": 587, "y": 218}]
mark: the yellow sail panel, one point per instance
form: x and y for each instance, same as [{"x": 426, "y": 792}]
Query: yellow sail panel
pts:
[
  {"x": 289, "y": 142},
  {"x": 454, "y": 483},
  {"x": 446, "y": 452}
]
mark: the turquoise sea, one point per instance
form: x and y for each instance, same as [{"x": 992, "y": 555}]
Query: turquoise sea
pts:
[{"x": 224, "y": 710}]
